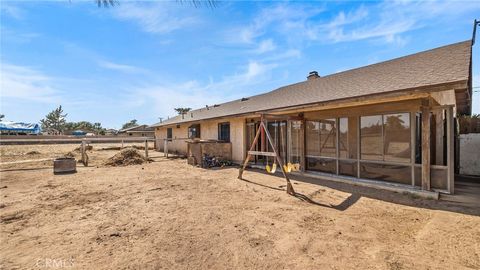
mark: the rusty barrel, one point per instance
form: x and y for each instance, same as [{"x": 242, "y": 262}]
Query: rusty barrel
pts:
[{"x": 64, "y": 165}]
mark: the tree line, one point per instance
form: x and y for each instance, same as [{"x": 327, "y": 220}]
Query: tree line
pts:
[{"x": 57, "y": 120}]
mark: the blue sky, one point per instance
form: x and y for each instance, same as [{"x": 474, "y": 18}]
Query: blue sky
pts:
[{"x": 139, "y": 60}]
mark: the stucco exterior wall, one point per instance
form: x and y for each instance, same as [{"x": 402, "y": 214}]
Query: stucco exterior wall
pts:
[
  {"x": 470, "y": 154},
  {"x": 208, "y": 131},
  {"x": 179, "y": 134}
]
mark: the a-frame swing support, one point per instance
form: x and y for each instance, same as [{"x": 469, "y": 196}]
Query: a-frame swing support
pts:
[{"x": 262, "y": 129}]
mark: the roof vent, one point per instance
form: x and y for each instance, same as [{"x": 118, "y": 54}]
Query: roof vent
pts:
[
  {"x": 244, "y": 99},
  {"x": 312, "y": 75}
]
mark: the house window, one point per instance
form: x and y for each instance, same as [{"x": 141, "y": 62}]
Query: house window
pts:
[
  {"x": 194, "y": 131},
  {"x": 224, "y": 132},
  {"x": 169, "y": 133}
]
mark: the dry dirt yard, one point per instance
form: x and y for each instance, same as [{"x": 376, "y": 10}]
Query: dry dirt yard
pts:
[{"x": 168, "y": 215}]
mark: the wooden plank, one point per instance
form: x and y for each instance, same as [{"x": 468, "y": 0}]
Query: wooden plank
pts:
[
  {"x": 260, "y": 153},
  {"x": 425, "y": 148},
  {"x": 146, "y": 148}
]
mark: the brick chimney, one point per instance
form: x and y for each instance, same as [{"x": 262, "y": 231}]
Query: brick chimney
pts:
[{"x": 312, "y": 75}]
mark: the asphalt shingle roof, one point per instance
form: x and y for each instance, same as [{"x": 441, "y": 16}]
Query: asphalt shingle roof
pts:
[{"x": 441, "y": 65}]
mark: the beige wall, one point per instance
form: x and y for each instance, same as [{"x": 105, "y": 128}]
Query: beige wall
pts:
[{"x": 208, "y": 131}]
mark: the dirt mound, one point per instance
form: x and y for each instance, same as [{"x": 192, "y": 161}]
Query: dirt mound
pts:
[
  {"x": 129, "y": 156},
  {"x": 33, "y": 153}
]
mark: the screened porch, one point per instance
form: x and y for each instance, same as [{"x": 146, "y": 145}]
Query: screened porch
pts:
[{"x": 391, "y": 143}]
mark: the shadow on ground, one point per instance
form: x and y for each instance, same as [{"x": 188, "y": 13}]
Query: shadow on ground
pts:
[{"x": 466, "y": 199}]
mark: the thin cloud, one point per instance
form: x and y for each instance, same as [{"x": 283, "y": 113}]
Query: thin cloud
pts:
[
  {"x": 120, "y": 67},
  {"x": 265, "y": 46},
  {"x": 155, "y": 18},
  {"x": 163, "y": 97},
  {"x": 26, "y": 83},
  {"x": 12, "y": 10}
]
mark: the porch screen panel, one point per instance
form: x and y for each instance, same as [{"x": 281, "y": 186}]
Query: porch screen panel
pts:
[
  {"x": 328, "y": 138},
  {"x": 397, "y": 137},
  {"x": 347, "y": 167},
  {"x": 386, "y": 172},
  {"x": 282, "y": 140},
  {"x": 295, "y": 142},
  {"x": 312, "y": 138},
  {"x": 250, "y": 135},
  {"x": 321, "y": 145},
  {"x": 347, "y": 143},
  {"x": 371, "y": 139}
]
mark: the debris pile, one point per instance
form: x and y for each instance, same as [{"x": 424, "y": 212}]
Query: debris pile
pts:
[{"x": 129, "y": 156}]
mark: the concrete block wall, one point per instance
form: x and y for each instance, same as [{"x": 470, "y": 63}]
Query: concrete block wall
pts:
[{"x": 470, "y": 154}]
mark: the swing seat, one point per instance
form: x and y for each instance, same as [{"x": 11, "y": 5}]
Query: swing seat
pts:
[
  {"x": 288, "y": 167},
  {"x": 296, "y": 167},
  {"x": 272, "y": 169}
]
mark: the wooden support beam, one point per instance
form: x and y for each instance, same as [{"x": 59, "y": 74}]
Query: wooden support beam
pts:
[
  {"x": 450, "y": 150},
  {"x": 146, "y": 148},
  {"x": 165, "y": 148},
  {"x": 425, "y": 148},
  {"x": 260, "y": 153},
  {"x": 413, "y": 127}
]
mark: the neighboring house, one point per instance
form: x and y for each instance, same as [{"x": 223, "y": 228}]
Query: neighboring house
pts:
[
  {"x": 111, "y": 132},
  {"x": 364, "y": 123},
  {"x": 19, "y": 128},
  {"x": 138, "y": 131}
]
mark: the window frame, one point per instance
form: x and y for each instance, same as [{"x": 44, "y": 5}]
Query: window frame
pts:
[
  {"x": 197, "y": 131},
  {"x": 220, "y": 132}
]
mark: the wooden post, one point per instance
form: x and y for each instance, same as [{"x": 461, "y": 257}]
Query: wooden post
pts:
[
  {"x": 358, "y": 128},
  {"x": 84, "y": 154},
  {"x": 425, "y": 148},
  {"x": 122, "y": 143},
  {"x": 146, "y": 148},
  {"x": 450, "y": 150},
  {"x": 337, "y": 139},
  {"x": 165, "y": 148},
  {"x": 413, "y": 133}
]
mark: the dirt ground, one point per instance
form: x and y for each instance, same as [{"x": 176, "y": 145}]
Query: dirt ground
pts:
[{"x": 168, "y": 215}]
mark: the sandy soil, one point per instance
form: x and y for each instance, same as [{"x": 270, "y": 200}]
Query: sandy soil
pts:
[{"x": 168, "y": 215}]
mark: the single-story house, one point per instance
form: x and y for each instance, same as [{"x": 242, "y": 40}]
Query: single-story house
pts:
[
  {"x": 138, "y": 131},
  {"x": 392, "y": 122}
]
